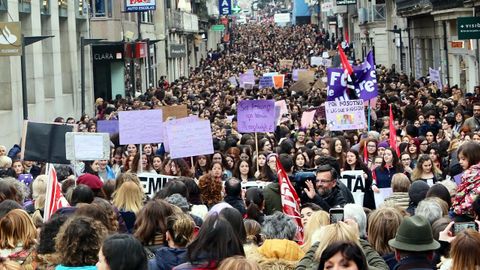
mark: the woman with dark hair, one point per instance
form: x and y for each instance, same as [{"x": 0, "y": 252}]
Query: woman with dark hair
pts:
[
  {"x": 208, "y": 250},
  {"x": 157, "y": 164},
  {"x": 459, "y": 119},
  {"x": 264, "y": 145},
  {"x": 122, "y": 252},
  {"x": 176, "y": 167},
  {"x": 46, "y": 256},
  {"x": 338, "y": 148},
  {"x": 413, "y": 150},
  {"x": 234, "y": 217},
  {"x": 353, "y": 162},
  {"x": 145, "y": 165},
  {"x": 435, "y": 156},
  {"x": 269, "y": 172},
  {"x": 78, "y": 243},
  {"x": 255, "y": 202},
  {"x": 383, "y": 174},
  {"x": 211, "y": 185},
  {"x": 468, "y": 189},
  {"x": 371, "y": 145},
  {"x": 243, "y": 171},
  {"x": 299, "y": 162},
  {"x": 150, "y": 225},
  {"x": 261, "y": 159},
  {"x": 300, "y": 139},
  {"x": 343, "y": 255},
  {"x": 197, "y": 208},
  {"x": 202, "y": 165}
]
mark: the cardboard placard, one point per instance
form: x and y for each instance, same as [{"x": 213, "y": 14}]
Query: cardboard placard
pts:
[{"x": 174, "y": 112}]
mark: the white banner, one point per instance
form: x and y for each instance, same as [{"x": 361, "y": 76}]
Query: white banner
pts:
[
  {"x": 152, "y": 182},
  {"x": 355, "y": 182}
]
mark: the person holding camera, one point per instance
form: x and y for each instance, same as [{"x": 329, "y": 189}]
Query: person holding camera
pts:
[{"x": 325, "y": 192}]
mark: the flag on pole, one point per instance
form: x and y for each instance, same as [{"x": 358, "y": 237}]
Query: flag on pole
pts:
[
  {"x": 290, "y": 200},
  {"x": 54, "y": 198},
  {"x": 350, "y": 75},
  {"x": 365, "y": 153},
  {"x": 393, "y": 133}
]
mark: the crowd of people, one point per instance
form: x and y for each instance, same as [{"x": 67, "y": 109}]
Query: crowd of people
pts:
[{"x": 205, "y": 218}]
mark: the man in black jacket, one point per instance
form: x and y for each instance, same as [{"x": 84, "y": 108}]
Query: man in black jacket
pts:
[
  {"x": 325, "y": 192},
  {"x": 233, "y": 192}
]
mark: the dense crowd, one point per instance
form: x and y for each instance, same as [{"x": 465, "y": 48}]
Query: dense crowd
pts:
[{"x": 206, "y": 218}]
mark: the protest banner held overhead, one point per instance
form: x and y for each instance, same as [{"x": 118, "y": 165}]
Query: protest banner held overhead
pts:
[
  {"x": 256, "y": 116},
  {"x": 138, "y": 127},
  {"x": 345, "y": 115}
]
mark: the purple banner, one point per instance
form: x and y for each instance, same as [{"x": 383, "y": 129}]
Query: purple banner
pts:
[
  {"x": 365, "y": 81},
  {"x": 256, "y": 116},
  {"x": 107, "y": 126},
  {"x": 265, "y": 81}
]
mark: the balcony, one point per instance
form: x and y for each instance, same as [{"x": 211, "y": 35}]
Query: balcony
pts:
[
  {"x": 379, "y": 12},
  {"x": 372, "y": 13},
  {"x": 446, "y": 4},
  {"x": 182, "y": 21},
  {"x": 413, "y": 7}
]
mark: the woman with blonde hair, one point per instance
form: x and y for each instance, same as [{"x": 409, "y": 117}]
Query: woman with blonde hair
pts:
[
  {"x": 383, "y": 224},
  {"x": 39, "y": 189},
  {"x": 18, "y": 235},
  {"x": 238, "y": 263},
  {"x": 316, "y": 221},
  {"x": 179, "y": 234},
  {"x": 128, "y": 199},
  {"x": 126, "y": 177},
  {"x": 253, "y": 230}
]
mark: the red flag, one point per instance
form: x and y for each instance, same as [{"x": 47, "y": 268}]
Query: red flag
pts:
[
  {"x": 365, "y": 153},
  {"x": 290, "y": 200},
  {"x": 393, "y": 133},
  {"x": 54, "y": 198},
  {"x": 343, "y": 58}
]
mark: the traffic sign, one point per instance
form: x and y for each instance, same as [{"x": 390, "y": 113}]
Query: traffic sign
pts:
[
  {"x": 236, "y": 9},
  {"x": 225, "y": 7},
  {"x": 468, "y": 27},
  {"x": 218, "y": 27}
]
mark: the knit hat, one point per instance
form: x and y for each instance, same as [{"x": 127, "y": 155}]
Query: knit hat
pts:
[
  {"x": 90, "y": 180},
  {"x": 418, "y": 191},
  {"x": 180, "y": 201},
  {"x": 383, "y": 144}
]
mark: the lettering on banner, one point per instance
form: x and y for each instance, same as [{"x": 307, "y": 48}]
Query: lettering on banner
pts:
[
  {"x": 355, "y": 182},
  {"x": 152, "y": 183}
]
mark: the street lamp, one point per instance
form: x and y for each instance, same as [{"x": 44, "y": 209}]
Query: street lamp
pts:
[
  {"x": 25, "y": 42},
  {"x": 84, "y": 42},
  {"x": 399, "y": 31}
]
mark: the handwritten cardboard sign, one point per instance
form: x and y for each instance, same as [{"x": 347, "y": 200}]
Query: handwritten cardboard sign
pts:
[
  {"x": 174, "y": 112},
  {"x": 345, "y": 115}
]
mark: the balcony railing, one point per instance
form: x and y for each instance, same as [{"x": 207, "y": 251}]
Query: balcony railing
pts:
[
  {"x": 183, "y": 21},
  {"x": 25, "y": 6}
]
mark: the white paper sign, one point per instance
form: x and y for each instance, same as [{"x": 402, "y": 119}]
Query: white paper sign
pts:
[
  {"x": 355, "y": 182},
  {"x": 87, "y": 146},
  {"x": 189, "y": 140},
  {"x": 382, "y": 195}
]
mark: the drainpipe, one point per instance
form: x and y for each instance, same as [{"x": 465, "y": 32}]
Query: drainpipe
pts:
[{"x": 445, "y": 44}]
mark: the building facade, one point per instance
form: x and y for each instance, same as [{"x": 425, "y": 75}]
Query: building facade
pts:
[{"x": 52, "y": 65}]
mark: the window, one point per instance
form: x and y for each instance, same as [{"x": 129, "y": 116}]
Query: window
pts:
[
  {"x": 24, "y": 6},
  {"x": 63, "y": 8},
  {"x": 101, "y": 8},
  {"x": 82, "y": 8},
  {"x": 3, "y": 5},
  {"x": 45, "y": 7},
  {"x": 147, "y": 16}
]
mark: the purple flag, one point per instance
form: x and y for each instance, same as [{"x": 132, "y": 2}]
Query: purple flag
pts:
[
  {"x": 365, "y": 83},
  {"x": 256, "y": 116}
]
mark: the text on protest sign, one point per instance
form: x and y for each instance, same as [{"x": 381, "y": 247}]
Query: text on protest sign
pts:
[
  {"x": 345, "y": 115},
  {"x": 87, "y": 146},
  {"x": 152, "y": 182},
  {"x": 285, "y": 63},
  {"x": 355, "y": 182},
  {"x": 189, "y": 140},
  {"x": 256, "y": 116},
  {"x": 107, "y": 126},
  {"x": 138, "y": 127},
  {"x": 265, "y": 81},
  {"x": 181, "y": 121}
]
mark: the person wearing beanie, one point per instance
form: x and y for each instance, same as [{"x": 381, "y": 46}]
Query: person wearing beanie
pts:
[
  {"x": 381, "y": 148},
  {"x": 417, "y": 192}
]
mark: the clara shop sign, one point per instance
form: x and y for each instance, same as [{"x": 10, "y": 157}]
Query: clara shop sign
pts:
[{"x": 107, "y": 52}]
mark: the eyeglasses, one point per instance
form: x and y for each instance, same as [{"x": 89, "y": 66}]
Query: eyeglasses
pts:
[
  {"x": 371, "y": 146},
  {"x": 406, "y": 159}
]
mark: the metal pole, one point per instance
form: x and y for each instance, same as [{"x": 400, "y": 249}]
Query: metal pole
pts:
[
  {"x": 24, "y": 81},
  {"x": 401, "y": 51},
  {"x": 82, "y": 73},
  {"x": 445, "y": 44}
]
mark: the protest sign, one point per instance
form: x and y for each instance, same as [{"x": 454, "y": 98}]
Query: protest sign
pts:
[
  {"x": 295, "y": 74},
  {"x": 174, "y": 112},
  {"x": 281, "y": 111},
  {"x": 355, "y": 182},
  {"x": 181, "y": 121},
  {"x": 189, "y": 140},
  {"x": 255, "y": 184},
  {"x": 307, "y": 76},
  {"x": 435, "y": 77},
  {"x": 278, "y": 81},
  {"x": 107, "y": 126},
  {"x": 246, "y": 78},
  {"x": 270, "y": 74},
  {"x": 87, "y": 146},
  {"x": 319, "y": 84},
  {"x": 345, "y": 115},
  {"x": 153, "y": 183},
  {"x": 300, "y": 86},
  {"x": 315, "y": 61},
  {"x": 265, "y": 81},
  {"x": 137, "y": 127},
  {"x": 381, "y": 196},
  {"x": 45, "y": 142},
  {"x": 233, "y": 81},
  {"x": 365, "y": 82},
  {"x": 285, "y": 63},
  {"x": 256, "y": 116},
  {"x": 307, "y": 118},
  {"x": 326, "y": 55}
]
